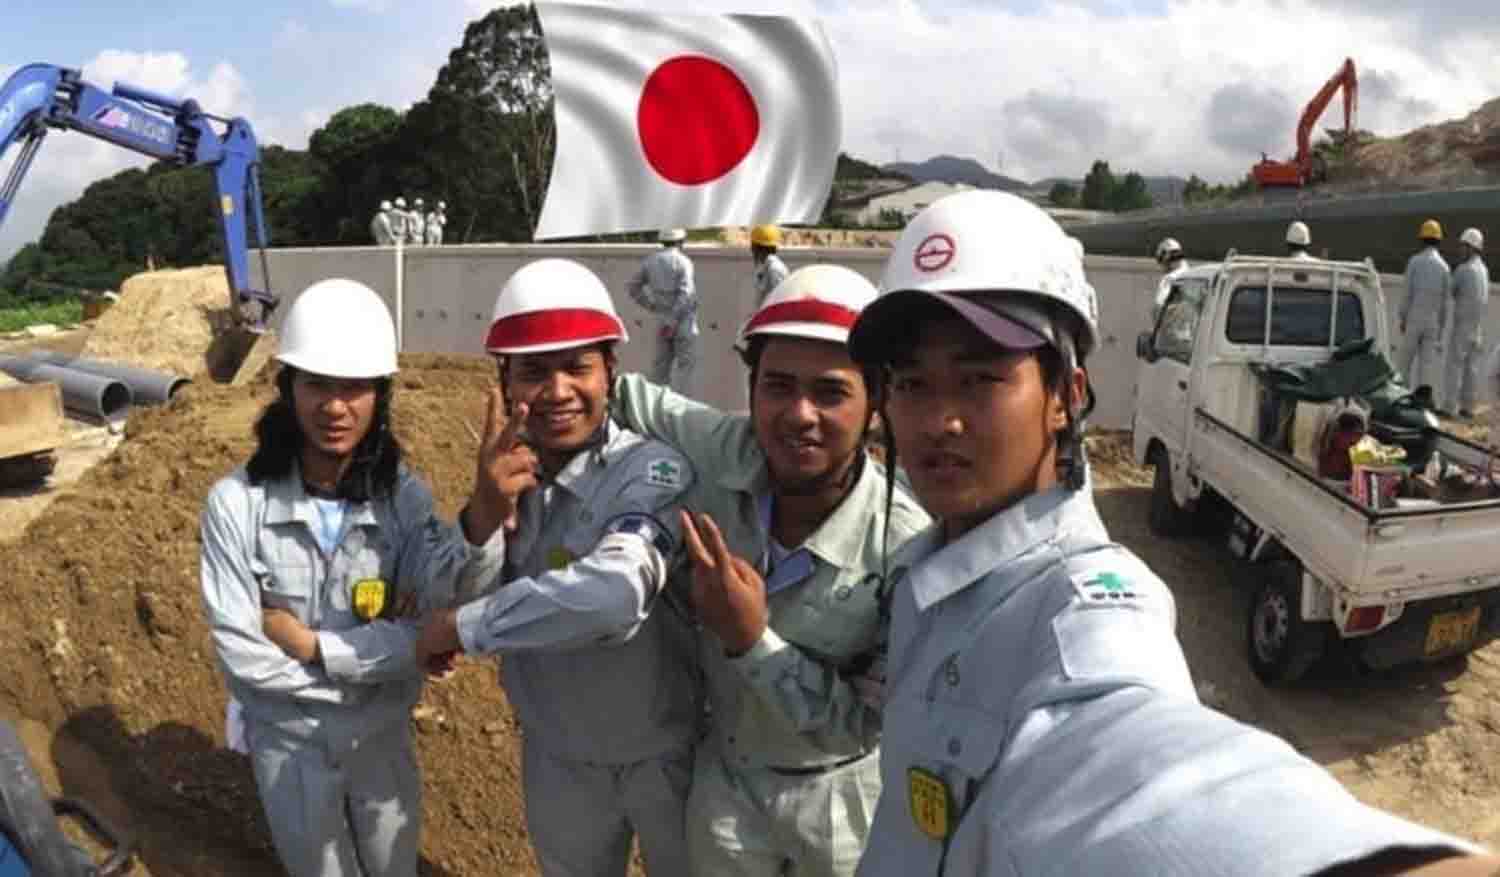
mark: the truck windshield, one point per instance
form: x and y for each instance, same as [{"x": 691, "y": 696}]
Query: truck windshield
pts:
[{"x": 1299, "y": 317}]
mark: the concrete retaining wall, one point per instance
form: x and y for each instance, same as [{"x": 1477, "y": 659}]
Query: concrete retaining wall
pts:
[{"x": 446, "y": 294}]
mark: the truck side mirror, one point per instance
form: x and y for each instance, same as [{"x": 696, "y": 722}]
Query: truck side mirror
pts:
[{"x": 1144, "y": 349}]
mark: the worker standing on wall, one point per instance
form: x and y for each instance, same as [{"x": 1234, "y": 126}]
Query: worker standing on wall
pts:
[
  {"x": 1169, "y": 257},
  {"x": 380, "y": 226},
  {"x": 400, "y": 222},
  {"x": 765, "y": 240},
  {"x": 1471, "y": 301},
  {"x": 664, "y": 286},
  {"x": 1298, "y": 240},
  {"x": 1424, "y": 314}
]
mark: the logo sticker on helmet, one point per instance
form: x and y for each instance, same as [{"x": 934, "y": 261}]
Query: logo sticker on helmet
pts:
[{"x": 934, "y": 253}]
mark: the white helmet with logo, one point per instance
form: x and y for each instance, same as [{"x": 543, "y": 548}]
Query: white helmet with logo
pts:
[
  {"x": 1473, "y": 237},
  {"x": 553, "y": 304},
  {"x": 339, "y": 328},
  {"x": 1298, "y": 236},
  {"x": 819, "y": 302},
  {"x": 973, "y": 243},
  {"x": 1168, "y": 249}
]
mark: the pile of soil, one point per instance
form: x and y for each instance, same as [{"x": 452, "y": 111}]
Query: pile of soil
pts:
[
  {"x": 1459, "y": 151},
  {"x": 173, "y": 320},
  {"x": 103, "y": 639}
]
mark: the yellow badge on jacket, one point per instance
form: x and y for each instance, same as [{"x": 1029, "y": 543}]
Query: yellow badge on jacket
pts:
[
  {"x": 368, "y": 598},
  {"x": 931, "y": 803}
]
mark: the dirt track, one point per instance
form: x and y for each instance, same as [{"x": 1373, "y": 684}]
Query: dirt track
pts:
[{"x": 106, "y": 653}]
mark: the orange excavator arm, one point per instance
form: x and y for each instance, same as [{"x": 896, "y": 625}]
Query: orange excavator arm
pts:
[{"x": 1346, "y": 78}]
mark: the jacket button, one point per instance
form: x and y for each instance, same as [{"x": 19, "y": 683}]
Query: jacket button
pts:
[{"x": 843, "y": 592}]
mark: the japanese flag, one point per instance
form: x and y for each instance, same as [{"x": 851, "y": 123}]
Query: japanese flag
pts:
[{"x": 687, "y": 120}]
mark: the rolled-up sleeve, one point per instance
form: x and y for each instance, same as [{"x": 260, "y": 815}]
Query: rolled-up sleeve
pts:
[{"x": 231, "y": 597}]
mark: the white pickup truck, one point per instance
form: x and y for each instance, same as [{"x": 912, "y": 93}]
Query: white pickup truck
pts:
[{"x": 1412, "y": 578}]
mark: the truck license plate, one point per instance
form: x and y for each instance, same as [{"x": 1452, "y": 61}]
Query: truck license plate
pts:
[{"x": 1452, "y": 631}]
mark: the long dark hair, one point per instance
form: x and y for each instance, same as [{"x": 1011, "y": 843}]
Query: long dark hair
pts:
[{"x": 375, "y": 469}]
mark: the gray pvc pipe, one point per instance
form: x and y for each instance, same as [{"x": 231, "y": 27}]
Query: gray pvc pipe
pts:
[
  {"x": 146, "y": 387},
  {"x": 98, "y": 396}
]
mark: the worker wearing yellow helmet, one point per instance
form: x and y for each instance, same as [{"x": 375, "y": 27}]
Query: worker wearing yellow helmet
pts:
[
  {"x": 765, "y": 240},
  {"x": 1425, "y": 313}
]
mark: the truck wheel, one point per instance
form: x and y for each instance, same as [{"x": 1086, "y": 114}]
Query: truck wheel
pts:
[
  {"x": 26, "y": 815},
  {"x": 1167, "y": 519},
  {"x": 1282, "y": 645}
]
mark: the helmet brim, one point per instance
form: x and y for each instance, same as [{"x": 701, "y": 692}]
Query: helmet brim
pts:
[{"x": 886, "y": 323}]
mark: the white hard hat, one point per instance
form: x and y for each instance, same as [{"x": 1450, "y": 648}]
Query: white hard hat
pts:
[
  {"x": 1167, "y": 245},
  {"x": 976, "y": 242},
  {"x": 818, "y": 301},
  {"x": 442, "y": 205},
  {"x": 1473, "y": 237},
  {"x": 400, "y": 202},
  {"x": 339, "y": 328},
  {"x": 385, "y": 205},
  {"x": 1077, "y": 247},
  {"x": 671, "y": 235},
  {"x": 1298, "y": 235},
  {"x": 420, "y": 202},
  {"x": 553, "y": 304}
]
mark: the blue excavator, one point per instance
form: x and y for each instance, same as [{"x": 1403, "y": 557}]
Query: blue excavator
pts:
[{"x": 40, "y": 97}]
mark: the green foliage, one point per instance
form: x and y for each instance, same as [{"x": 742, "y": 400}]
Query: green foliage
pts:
[
  {"x": 1197, "y": 191},
  {"x": 1063, "y": 194},
  {"x": 1103, "y": 191},
  {"x": 59, "y": 312}
]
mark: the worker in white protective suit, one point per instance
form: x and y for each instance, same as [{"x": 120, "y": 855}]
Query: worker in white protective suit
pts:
[
  {"x": 1169, "y": 257},
  {"x": 380, "y": 226},
  {"x": 787, "y": 781},
  {"x": 416, "y": 223},
  {"x": 1298, "y": 240},
  {"x": 316, "y": 556},
  {"x": 1424, "y": 314},
  {"x": 400, "y": 222},
  {"x": 664, "y": 286},
  {"x": 1471, "y": 302},
  {"x": 597, "y": 658},
  {"x": 435, "y": 222},
  {"x": 1039, "y": 715},
  {"x": 765, "y": 240}
]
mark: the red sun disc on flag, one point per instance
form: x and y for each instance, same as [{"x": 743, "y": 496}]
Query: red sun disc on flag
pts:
[{"x": 697, "y": 121}]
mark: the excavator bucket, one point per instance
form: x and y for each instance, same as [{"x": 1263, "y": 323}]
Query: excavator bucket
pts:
[
  {"x": 238, "y": 354},
  {"x": 31, "y": 427}
]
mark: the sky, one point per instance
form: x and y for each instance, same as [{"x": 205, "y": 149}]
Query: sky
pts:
[{"x": 1031, "y": 88}]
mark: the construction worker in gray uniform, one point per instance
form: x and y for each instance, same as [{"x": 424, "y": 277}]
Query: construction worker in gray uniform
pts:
[
  {"x": 314, "y": 554},
  {"x": 599, "y": 667},
  {"x": 1039, "y": 714},
  {"x": 765, "y": 240},
  {"x": 1471, "y": 304},
  {"x": 435, "y": 222},
  {"x": 380, "y": 225},
  {"x": 1169, "y": 257},
  {"x": 664, "y": 286},
  {"x": 1424, "y": 313},
  {"x": 416, "y": 224},
  {"x": 787, "y": 586},
  {"x": 400, "y": 222}
]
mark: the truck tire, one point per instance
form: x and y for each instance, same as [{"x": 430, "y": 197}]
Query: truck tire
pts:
[
  {"x": 1167, "y": 518},
  {"x": 1282, "y": 646},
  {"x": 26, "y": 814}
]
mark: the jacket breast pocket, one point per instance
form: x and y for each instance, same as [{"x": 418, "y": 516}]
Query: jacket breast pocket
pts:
[{"x": 288, "y": 587}]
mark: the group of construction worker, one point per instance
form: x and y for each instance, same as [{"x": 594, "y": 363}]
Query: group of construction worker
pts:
[
  {"x": 742, "y": 641},
  {"x": 1444, "y": 310},
  {"x": 663, "y": 285},
  {"x": 393, "y": 224}
]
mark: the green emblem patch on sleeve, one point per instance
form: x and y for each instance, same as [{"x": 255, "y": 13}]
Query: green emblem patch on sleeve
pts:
[
  {"x": 664, "y": 473},
  {"x": 1105, "y": 587}
]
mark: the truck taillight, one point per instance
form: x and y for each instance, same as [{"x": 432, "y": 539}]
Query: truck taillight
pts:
[{"x": 1363, "y": 618}]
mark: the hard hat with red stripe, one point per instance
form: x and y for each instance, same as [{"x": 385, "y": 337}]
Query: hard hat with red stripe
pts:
[
  {"x": 553, "y": 304},
  {"x": 820, "y": 302}
]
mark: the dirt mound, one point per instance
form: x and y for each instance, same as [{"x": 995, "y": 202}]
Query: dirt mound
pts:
[
  {"x": 1458, "y": 151},
  {"x": 739, "y": 236},
  {"x": 176, "y": 321},
  {"x": 103, "y": 639}
]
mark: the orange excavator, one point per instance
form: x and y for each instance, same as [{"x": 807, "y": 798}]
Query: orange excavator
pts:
[{"x": 1307, "y": 168}]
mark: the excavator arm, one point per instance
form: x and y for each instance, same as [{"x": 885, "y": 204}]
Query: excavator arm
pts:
[
  {"x": 1301, "y": 170},
  {"x": 40, "y": 97}
]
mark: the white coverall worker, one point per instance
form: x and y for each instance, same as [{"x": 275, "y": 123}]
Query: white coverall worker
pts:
[
  {"x": 1424, "y": 319},
  {"x": 434, "y": 228},
  {"x": 329, "y": 742},
  {"x": 380, "y": 226},
  {"x": 1039, "y": 714},
  {"x": 788, "y": 779},
  {"x": 416, "y": 224},
  {"x": 664, "y": 286},
  {"x": 1471, "y": 303},
  {"x": 598, "y": 665},
  {"x": 400, "y": 222}
]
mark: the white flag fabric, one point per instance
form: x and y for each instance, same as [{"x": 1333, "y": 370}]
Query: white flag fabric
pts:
[{"x": 687, "y": 120}]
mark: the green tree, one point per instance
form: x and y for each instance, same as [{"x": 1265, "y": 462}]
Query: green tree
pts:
[
  {"x": 1063, "y": 194},
  {"x": 1099, "y": 187},
  {"x": 1130, "y": 193},
  {"x": 1195, "y": 190},
  {"x": 352, "y": 148}
]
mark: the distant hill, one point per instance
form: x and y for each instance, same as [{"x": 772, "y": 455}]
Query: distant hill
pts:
[
  {"x": 952, "y": 169},
  {"x": 1165, "y": 191}
]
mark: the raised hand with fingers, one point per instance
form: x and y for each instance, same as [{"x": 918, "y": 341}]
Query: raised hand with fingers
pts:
[
  {"x": 506, "y": 469},
  {"x": 728, "y": 592}
]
